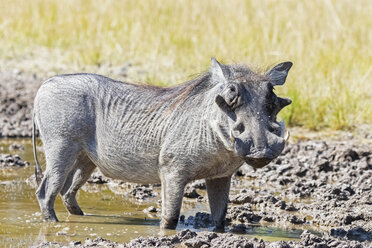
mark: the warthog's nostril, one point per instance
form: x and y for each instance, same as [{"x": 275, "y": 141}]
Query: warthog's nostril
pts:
[
  {"x": 275, "y": 128},
  {"x": 239, "y": 127}
]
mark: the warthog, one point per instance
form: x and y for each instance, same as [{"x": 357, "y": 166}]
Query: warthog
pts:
[{"x": 202, "y": 129}]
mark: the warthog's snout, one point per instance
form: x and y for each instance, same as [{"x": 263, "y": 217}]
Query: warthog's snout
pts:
[
  {"x": 265, "y": 154},
  {"x": 259, "y": 149},
  {"x": 257, "y": 162},
  {"x": 261, "y": 158}
]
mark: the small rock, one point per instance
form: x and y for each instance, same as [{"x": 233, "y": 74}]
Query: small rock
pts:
[
  {"x": 291, "y": 208},
  {"x": 269, "y": 219},
  {"x": 281, "y": 204},
  {"x": 350, "y": 218},
  {"x": 9, "y": 160},
  {"x": 324, "y": 165},
  {"x": 199, "y": 184},
  {"x": 74, "y": 243},
  {"x": 200, "y": 220},
  {"x": 242, "y": 198},
  {"x": 359, "y": 234},
  {"x": 186, "y": 234},
  {"x": 295, "y": 220},
  {"x": 151, "y": 209},
  {"x": 190, "y": 192},
  {"x": 240, "y": 228},
  {"x": 16, "y": 147}
]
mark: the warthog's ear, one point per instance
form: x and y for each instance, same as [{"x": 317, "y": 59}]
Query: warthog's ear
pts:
[
  {"x": 278, "y": 73},
  {"x": 217, "y": 72}
]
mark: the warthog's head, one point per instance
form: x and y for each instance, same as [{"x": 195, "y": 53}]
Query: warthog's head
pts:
[{"x": 249, "y": 102}]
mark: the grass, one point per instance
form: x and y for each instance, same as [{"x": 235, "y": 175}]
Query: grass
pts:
[{"x": 330, "y": 43}]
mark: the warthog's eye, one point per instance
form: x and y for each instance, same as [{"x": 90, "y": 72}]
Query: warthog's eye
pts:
[
  {"x": 229, "y": 98},
  {"x": 232, "y": 96}
]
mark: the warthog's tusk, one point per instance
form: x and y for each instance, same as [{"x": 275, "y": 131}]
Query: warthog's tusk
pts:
[
  {"x": 232, "y": 138},
  {"x": 286, "y": 136}
]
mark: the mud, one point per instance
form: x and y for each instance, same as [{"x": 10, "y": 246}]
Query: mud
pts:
[
  {"x": 9, "y": 160},
  {"x": 324, "y": 184},
  {"x": 188, "y": 238},
  {"x": 17, "y": 91}
]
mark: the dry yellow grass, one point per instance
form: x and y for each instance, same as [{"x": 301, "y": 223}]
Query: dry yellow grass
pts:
[{"x": 330, "y": 43}]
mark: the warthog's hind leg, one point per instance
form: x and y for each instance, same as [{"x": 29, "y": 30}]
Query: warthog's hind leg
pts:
[
  {"x": 60, "y": 157},
  {"x": 81, "y": 172},
  {"x": 218, "y": 196},
  {"x": 172, "y": 187}
]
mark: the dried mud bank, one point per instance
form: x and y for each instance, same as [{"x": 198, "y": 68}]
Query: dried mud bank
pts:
[
  {"x": 17, "y": 92},
  {"x": 323, "y": 184},
  {"x": 188, "y": 238}
]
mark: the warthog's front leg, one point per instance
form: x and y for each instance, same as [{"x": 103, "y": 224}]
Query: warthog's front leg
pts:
[
  {"x": 172, "y": 187},
  {"x": 218, "y": 196}
]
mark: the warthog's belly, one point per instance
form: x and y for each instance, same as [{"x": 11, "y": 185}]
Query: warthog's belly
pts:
[
  {"x": 129, "y": 171},
  {"x": 126, "y": 165}
]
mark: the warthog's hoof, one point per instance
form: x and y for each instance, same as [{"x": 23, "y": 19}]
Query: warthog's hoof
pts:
[
  {"x": 168, "y": 223},
  {"x": 50, "y": 217},
  {"x": 75, "y": 210},
  {"x": 219, "y": 228}
]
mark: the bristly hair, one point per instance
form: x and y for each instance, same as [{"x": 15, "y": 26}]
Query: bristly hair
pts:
[
  {"x": 188, "y": 89},
  {"x": 235, "y": 71},
  {"x": 178, "y": 93}
]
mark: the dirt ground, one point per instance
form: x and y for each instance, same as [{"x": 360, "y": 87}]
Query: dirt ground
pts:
[{"x": 320, "y": 181}]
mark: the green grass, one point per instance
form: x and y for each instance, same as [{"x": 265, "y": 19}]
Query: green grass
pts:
[{"x": 330, "y": 43}]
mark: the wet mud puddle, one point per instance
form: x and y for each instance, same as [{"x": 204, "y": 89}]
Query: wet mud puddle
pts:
[{"x": 111, "y": 212}]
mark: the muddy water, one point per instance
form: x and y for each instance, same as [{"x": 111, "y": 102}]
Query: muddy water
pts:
[{"x": 115, "y": 216}]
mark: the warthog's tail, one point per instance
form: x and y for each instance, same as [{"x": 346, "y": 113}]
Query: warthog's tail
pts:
[{"x": 38, "y": 170}]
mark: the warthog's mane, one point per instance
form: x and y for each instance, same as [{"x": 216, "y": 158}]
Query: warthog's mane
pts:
[
  {"x": 202, "y": 83},
  {"x": 173, "y": 96}
]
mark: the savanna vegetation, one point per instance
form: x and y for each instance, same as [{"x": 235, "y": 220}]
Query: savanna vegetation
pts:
[{"x": 330, "y": 43}]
